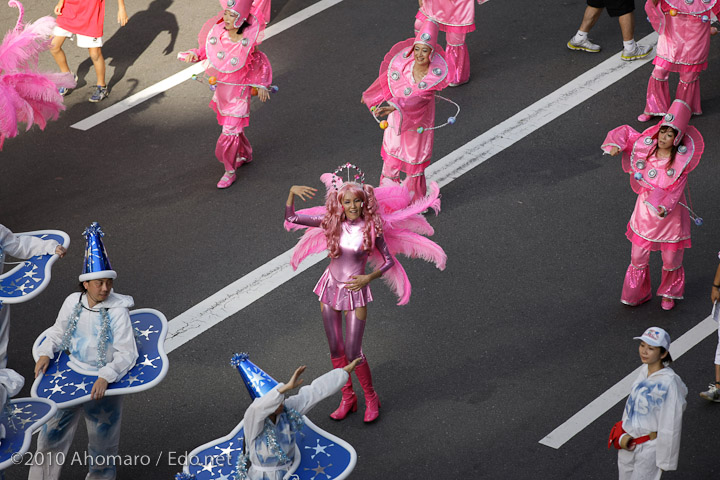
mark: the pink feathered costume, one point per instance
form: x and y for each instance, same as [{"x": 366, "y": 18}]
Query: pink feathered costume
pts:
[
  {"x": 683, "y": 47},
  {"x": 456, "y": 18},
  {"x": 403, "y": 148},
  {"x": 237, "y": 67},
  {"x": 658, "y": 186}
]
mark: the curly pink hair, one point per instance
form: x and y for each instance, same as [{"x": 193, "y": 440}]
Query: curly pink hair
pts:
[{"x": 335, "y": 215}]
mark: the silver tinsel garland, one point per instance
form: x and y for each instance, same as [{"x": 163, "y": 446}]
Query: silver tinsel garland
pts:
[{"x": 103, "y": 338}]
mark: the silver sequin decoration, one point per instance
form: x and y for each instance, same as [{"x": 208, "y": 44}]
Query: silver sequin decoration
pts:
[
  {"x": 706, "y": 1},
  {"x": 648, "y": 141},
  {"x": 670, "y": 172},
  {"x": 213, "y": 40},
  {"x": 230, "y": 3},
  {"x": 408, "y": 90},
  {"x": 234, "y": 61},
  {"x": 689, "y": 2},
  {"x": 669, "y": 117},
  {"x": 640, "y": 165},
  {"x": 422, "y": 85},
  {"x": 394, "y": 75},
  {"x": 221, "y": 55},
  {"x": 652, "y": 173},
  {"x": 682, "y": 149},
  {"x": 437, "y": 71},
  {"x": 425, "y": 36},
  {"x": 244, "y": 42}
]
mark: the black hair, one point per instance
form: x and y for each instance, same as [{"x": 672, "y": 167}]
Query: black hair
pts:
[
  {"x": 82, "y": 288},
  {"x": 668, "y": 359}
]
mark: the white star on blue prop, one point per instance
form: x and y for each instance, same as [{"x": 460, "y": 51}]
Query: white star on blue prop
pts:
[
  {"x": 146, "y": 333},
  {"x": 149, "y": 363},
  {"x": 318, "y": 470},
  {"x": 224, "y": 476},
  {"x": 55, "y": 389},
  {"x": 209, "y": 467},
  {"x": 226, "y": 451},
  {"x": 319, "y": 449},
  {"x": 80, "y": 386},
  {"x": 58, "y": 375},
  {"x": 257, "y": 378},
  {"x": 132, "y": 379}
]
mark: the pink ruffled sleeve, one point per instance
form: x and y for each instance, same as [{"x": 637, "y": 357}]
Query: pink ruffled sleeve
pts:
[
  {"x": 261, "y": 71},
  {"x": 667, "y": 198},
  {"x": 622, "y": 137},
  {"x": 375, "y": 94}
]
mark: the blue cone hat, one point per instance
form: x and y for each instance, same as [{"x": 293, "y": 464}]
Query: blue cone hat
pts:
[
  {"x": 257, "y": 382},
  {"x": 96, "y": 263}
]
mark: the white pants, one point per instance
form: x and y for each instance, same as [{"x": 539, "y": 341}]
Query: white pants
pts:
[
  {"x": 640, "y": 464},
  {"x": 102, "y": 418},
  {"x": 83, "y": 41}
]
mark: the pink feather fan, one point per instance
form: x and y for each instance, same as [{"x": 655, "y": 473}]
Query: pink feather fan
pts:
[
  {"x": 27, "y": 95},
  {"x": 404, "y": 231}
]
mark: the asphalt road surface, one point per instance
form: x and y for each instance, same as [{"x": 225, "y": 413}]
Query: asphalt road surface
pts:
[{"x": 522, "y": 330}]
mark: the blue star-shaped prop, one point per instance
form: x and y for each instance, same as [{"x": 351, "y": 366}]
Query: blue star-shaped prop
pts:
[
  {"x": 29, "y": 278},
  {"x": 67, "y": 387},
  {"x": 217, "y": 460},
  {"x": 25, "y": 416}
]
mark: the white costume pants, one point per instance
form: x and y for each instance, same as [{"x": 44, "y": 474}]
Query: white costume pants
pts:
[
  {"x": 4, "y": 333},
  {"x": 102, "y": 418},
  {"x": 640, "y": 464}
]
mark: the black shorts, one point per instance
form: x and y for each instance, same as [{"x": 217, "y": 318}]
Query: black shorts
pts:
[{"x": 615, "y": 8}]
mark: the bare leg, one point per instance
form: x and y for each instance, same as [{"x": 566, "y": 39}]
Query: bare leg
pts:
[
  {"x": 58, "y": 53},
  {"x": 99, "y": 62},
  {"x": 627, "y": 26},
  {"x": 592, "y": 15}
]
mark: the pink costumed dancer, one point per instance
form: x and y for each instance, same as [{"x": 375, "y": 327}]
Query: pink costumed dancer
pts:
[
  {"x": 26, "y": 94},
  {"x": 683, "y": 47},
  {"x": 410, "y": 75},
  {"x": 235, "y": 68},
  {"x": 358, "y": 224},
  {"x": 658, "y": 160},
  {"x": 456, "y": 18}
]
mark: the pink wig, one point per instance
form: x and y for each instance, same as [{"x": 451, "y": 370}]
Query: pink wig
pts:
[{"x": 335, "y": 215}]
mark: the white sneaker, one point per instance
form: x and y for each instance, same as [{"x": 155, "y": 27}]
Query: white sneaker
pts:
[
  {"x": 641, "y": 51},
  {"x": 585, "y": 45},
  {"x": 713, "y": 393}
]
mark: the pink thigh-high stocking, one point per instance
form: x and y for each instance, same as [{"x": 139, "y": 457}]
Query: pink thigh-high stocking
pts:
[
  {"x": 332, "y": 321},
  {"x": 233, "y": 148},
  {"x": 672, "y": 284},
  {"x": 636, "y": 288},
  {"x": 689, "y": 91},
  {"x": 657, "y": 101}
]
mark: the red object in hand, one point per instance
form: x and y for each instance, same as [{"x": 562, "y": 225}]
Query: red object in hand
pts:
[
  {"x": 253, "y": 91},
  {"x": 384, "y": 124},
  {"x": 212, "y": 80}
]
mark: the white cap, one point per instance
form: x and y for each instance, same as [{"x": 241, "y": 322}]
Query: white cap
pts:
[{"x": 656, "y": 337}]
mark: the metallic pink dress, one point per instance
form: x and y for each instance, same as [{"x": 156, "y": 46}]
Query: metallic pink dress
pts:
[{"x": 352, "y": 260}]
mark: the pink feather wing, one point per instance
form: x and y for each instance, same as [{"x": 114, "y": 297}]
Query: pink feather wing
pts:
[{"x": 313, "y": 241}]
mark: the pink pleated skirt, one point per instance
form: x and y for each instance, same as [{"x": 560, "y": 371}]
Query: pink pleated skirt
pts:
[{"x": 334, "y": 294}]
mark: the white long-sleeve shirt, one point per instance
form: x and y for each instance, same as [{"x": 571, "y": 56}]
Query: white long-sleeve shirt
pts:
[
  {"x": 121, "y": 351},
  {"x": 24, "y": 246},
  {"x": 656, "y": 404},
  {"x": 258, "y": 411}
]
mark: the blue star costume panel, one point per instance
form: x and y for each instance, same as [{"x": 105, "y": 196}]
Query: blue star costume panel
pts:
[
  {"x": 68, "y": 387},
  {"x": 21, "y": 419},
  {"x": 30, "y": 277},
  {"x": 322, "y": 456}
]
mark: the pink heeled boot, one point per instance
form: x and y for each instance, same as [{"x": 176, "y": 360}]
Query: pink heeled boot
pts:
[
  {"x": 372, "y": 402},
  {"x": 349, "y": 399}
]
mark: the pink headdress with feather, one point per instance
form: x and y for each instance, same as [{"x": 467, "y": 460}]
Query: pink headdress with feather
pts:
[
  {"x": 27, "y": 95},
  {"x": 404, "y": 230}
]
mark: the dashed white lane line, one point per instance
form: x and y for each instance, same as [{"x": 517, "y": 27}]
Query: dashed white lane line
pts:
[
  {"x": 183, "y": 75},
  {"x": 241, "y": 293},
  {"x": 595, "y": 409}
]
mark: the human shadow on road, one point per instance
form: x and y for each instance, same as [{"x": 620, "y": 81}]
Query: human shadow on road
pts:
[{"x": 131, "y": 41}]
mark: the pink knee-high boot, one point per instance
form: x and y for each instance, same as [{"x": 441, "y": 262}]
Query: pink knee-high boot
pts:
[
  {"x": 689, "y": 91},
  {"x": 458, "y": 58},
  {"x": 372, "y": 402},
  {"x": 657, "y": 100},
  {"x": 349, "y": 399}
]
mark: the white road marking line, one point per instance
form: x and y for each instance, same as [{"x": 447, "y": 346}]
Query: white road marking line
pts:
[
  {"x": 595, "y": 409},
  {"x": 183, "y": 75},
  {"x": 273, "y": 274}
]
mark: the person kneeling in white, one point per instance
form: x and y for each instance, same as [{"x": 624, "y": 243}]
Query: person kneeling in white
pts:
[{"x": 96, "y": 313}]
